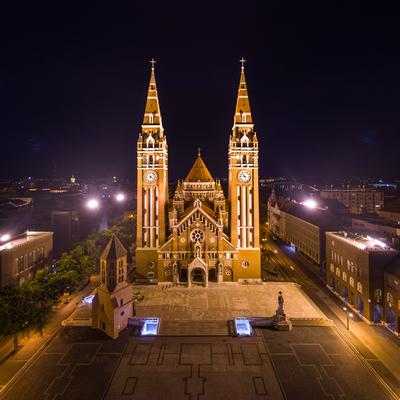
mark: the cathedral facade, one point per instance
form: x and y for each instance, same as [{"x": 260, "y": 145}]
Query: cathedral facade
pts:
[{"x": 199, "y": 235}]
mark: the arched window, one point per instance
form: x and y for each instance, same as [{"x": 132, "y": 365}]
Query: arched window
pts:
[
  {"x": 244, "y": 117},
  {"x": 351, "y": 281},
  {"x": 332, "y": 268},
  {"x": 151, "y": 118},
  {"x": 378, "y": 295},
  {"x": 344, "y": 275},
  {"x": 389, "y": 297},
  {"x": 359, "y": 287},
  {"x": 337, "y": 271}
]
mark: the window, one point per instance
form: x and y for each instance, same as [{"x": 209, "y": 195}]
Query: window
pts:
[
  {"x": 150, "y": 275},
  {"x": 351, "y": 281},
  {"x": 332, "y": 268},
  {"x": 121, "y": 302},
  {"x": 20, "y": 264},
  {"x": 389, "y": 298},
  {"x": 337, "y": 271},
  {"x": 243, "y": 117},
  {"x": 151, "y": 118},
  {"x": 359, "y": 287},
  {"x": 344, "y": 275}
]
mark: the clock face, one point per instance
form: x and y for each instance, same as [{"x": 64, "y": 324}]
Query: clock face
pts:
[
  {"x": 244, "y": 176},
  {"x": 150, "y": 177}
]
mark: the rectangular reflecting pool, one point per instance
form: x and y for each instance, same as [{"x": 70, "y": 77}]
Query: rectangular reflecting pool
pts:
[
  {"x": 150, "y": 327},
  {"x": 243, "y": 326}
]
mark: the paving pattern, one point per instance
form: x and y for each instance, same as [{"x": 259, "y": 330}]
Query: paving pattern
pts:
[
  {"x": 306, "y": 363},
  {"x": 224, "y": 301},
  {"x": 314, "y": 363},
  {"x": 195, "y": 368}
]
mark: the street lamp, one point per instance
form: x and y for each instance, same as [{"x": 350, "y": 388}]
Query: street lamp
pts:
[
  {"x": 348, "y": 316},
  {"x": 310, "y": 203},
  {"x": 92, "y": 204},
  {"x": 5, "y": 237},
  {"x": 120, "y": 197}
]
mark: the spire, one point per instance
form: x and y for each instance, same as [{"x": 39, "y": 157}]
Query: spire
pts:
[
  {"x": 152, "y": 113},
  {"x": 243, "y": 111},
  {"x": 113, "y": 250}
]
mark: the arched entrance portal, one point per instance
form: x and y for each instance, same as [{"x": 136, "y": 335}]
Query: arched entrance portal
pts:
[
  {"x": 198, "y": 275},
  {"x": 198, "y": 272}
]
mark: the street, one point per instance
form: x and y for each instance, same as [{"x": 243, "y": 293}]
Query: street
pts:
[
  {"x": 32, "y": 346},
  {"x": 378, "y": 347}
]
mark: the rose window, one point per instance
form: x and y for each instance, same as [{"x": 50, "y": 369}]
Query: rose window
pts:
[{"x": 197, "y": 235}]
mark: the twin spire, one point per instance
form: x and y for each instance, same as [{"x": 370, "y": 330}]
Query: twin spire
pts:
[
  {"x": 152, "y": 113},
  {"x": 242, "y": 111}
]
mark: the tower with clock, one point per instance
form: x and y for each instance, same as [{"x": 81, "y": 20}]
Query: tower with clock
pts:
[
  {"x": 243, "y": 180},
  {"x": 198, "y": 236},
  {"x": 152, "y": 181}
]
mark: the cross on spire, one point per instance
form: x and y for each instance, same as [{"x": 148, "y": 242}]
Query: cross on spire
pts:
[
  {"x": 199, "y": 151},
  {"x": 242, "y": 61},
  {"x": 152, "y": 62}
]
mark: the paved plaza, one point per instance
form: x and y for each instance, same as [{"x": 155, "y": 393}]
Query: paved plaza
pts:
[
  {"x": 195, "y": 358},
  {"x": 223, "y": 301},
  {"x": 306, "y": 363}
]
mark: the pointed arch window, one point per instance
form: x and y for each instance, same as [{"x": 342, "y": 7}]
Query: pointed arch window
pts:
[
  {"x": 151, "y": 118},
  {"x": 244, "y": 117}
]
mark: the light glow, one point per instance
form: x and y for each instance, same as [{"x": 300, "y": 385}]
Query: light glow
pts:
[
  {"x": 150, "y": 327},
  {"x": 243, "y": 327},
  {"x": 5, "y": 237},
  {"x": 88, "y": 299},
  {"x": 93, "y": 204},
  {"x": 310, "y": 203},
  {"x": 120, "y": 197}
]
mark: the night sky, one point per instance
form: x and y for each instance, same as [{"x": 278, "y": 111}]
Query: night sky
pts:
[{"x": 324, "y": 85}]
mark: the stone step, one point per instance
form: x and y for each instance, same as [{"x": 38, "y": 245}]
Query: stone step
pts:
[{"x": 194, "y": 328}]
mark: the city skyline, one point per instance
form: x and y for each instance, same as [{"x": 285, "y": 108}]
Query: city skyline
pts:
[{"x": 323, "y": 82}]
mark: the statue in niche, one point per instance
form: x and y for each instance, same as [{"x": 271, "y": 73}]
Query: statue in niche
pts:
[{"x": 197, "y": 250}]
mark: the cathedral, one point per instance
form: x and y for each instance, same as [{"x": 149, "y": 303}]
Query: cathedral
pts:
[{"x": 198, "y": 235}]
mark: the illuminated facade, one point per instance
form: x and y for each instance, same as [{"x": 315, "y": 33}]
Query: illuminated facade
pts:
[{"x": 199, "y": 235}]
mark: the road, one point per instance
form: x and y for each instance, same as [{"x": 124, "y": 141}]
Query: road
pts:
[
  {"x": 30, "y": 347},
  {"x": 379, "y": 348}
]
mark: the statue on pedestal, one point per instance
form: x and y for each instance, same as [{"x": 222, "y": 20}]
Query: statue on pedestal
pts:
[{"x": 281, "y": 322}]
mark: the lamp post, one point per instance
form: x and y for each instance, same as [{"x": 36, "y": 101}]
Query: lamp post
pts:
[{"x": 348, "y": 316}]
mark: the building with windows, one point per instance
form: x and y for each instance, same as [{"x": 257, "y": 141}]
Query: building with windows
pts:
[
  {"x": 22, "y": 255},
  {"x": 199, "y": 235},
  {"x": 355, "y": 271},
  {"x": 301, "y": 227},
  {"x": 358, "y": 201},
  {"x": 392, "y": 296}
]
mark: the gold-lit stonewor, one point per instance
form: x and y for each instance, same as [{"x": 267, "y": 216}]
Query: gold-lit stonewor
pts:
[{"x": 198, "y": 236}]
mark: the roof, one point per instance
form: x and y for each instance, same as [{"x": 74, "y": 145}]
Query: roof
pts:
[
  {"x": 243, "y": 103},
  {"x": 23, "y": 238},
  {"x": 114, "y": 249},
  {"x": 199, "y": 172},
  {"x": 152, "y": 104},
  {"x": 363, "y": 242},
  {"x": 322, "y": 218}
]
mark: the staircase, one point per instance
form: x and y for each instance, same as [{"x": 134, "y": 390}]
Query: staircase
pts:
[{"x": 194, "y": 328}]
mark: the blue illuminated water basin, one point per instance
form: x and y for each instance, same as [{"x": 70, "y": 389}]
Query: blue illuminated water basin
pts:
[
  {"x": 150, "y": 327},
  {"x": 243, "y": 327}
]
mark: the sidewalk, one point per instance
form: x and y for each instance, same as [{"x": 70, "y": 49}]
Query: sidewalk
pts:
[{"x": 29, "y": 347}]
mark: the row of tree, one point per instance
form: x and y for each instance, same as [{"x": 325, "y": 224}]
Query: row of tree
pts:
[{"x": 28, "y": 308}]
